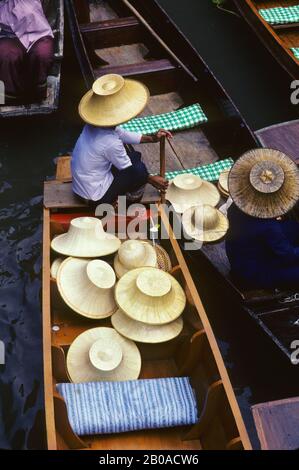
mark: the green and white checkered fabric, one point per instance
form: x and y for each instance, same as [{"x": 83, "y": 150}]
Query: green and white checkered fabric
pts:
[
  {"x": 209, "y": 172},
  {"x": 295, "y": 51},
  {"x": 280, "y": 15},
  {"x": 184, "y": 118}
]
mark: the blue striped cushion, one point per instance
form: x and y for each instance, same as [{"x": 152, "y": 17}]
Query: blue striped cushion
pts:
[{"x": 113, "y": 407}]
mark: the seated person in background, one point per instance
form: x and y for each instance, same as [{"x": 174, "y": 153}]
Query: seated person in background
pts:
[
  {"x": 263, "y": 248},
  {"x": 26, "y": 50},
  {"x": 102, "y": 168}
]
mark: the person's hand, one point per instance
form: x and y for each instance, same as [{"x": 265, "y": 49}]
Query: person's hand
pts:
[
  {"x": 163, "y": 133},
  {"x": 158, "y": 182}
]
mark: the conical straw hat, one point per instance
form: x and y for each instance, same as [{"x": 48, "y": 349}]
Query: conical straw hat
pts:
[
  {"x": 85, "y": 238},
  {"x": 188, "y": 190},
  {"x": 87, "y": 287},
  {"x": 113, "y": 100},
  {"x": 150, "y": 295},
  {"x": 264, "y": 183},
  {"x": 134, "y": 254},
  {"x": 143, "y": 333},
  {"x": 55, "y": 267},
  {"x": 205, "y": 223},
  {"x": 101, "y": 354},
  {"x": 163, "y": 258}
]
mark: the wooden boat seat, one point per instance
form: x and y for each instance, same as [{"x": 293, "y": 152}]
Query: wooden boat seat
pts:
[
  {"x": 216, "y": 254},
  {"x": 161, "y": 75},
  {"x": 209, "y": 396},
  {"x": 113, "y": 32},
  {"x": 277, "y": 424}
]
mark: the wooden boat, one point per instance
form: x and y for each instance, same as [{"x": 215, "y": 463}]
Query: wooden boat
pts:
[
  {"x": 277, "y": 424},
  {"x": 194, "y": 352},
  {"x": 54, "y": 11},
  {"x": 279, "y": 38},
  {"x": 122, "y": 37}
]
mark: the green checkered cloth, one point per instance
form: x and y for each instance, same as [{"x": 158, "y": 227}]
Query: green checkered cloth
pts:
[
  {"x": 280, "y": 15},
  {"x": 209, "y": 172},
  {"x": 295, "y": 51},
  {"x": 184, "y": 118}
]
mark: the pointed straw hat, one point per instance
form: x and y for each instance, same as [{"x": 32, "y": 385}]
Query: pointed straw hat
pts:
[
  {"x": 134, "y": 254},
  {"x": 264, "y": 183},
  {"x": 143, "y": 333},
  {"x": 85, "y": 238},
  {"x": 55, "y": 267},
  {"x": 163, "y": 258},
  {"x": 113, "y": 100},
  {"x": 102, "y": 354},
  {"x": 205, "y": 223},
  {"x": 188, "y": 190},
  {"x": 150, "y": 296},
  {"x": 87, "y": 287}
]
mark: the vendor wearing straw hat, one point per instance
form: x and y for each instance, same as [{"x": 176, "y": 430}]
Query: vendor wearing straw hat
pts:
[
  {"x": 101, "y": 167},
  {"x": 263, "y": 248}
]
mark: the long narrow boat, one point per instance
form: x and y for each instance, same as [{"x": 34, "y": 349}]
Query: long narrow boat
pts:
[
  {"x": 54, "y": 11},
  {"x": 194, "y": 353},
  {"x": 138, "y": 39},
  {"x": 278, "y": 29}
]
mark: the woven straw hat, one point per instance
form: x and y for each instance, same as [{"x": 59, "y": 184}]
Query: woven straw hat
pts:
[
  {"x": 163, "y": 258},
  {"x": 113, "y": 100},
  {"x": 101, "y": 354},
  {"x": 205, "y": 223},
  {"x": 85, "y": 238},
  {"x": 223, "y": 183},
  {"x": 86, "y": 286},
  {"x": 150, "y": 295},
  {"x": 143, "y": 333},
  {"x": 188, "y": 190},
  {"x": 264, "y": 183},
  {"x": 134, "y": 254},
  {"x": 55, "y": 267}
]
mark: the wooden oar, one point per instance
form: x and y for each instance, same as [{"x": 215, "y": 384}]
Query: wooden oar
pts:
[
  {"x": 157, "y": 37},
  {"x": 162, "y": 164}
]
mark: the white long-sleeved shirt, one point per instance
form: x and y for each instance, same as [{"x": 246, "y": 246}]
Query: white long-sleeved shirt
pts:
[{"x": 96, "y": 150}]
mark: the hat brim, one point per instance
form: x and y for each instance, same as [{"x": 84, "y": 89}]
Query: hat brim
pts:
[
  {"x": 205, "y": 236},
  {"x": 150, "y": 260},
  {"x": 181, "y": 200},
  {"x": 255, "y": 203},
  {"x": 143, "y": 333},
  {"x": 80, "y": 294},
  {"x": 146, "y": 309},
  {"x": 105, "y": 246},
  {"x": 113, "y": 110},
  {"x": 80, "y": 368}
]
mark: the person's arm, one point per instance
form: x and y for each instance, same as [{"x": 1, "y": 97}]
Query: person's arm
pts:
[
  {"x": 147, "y": 139},
  {"x": 279, "y": 243}
]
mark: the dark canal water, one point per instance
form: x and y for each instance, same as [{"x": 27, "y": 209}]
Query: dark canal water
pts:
[{"x": 27, "y": 152}]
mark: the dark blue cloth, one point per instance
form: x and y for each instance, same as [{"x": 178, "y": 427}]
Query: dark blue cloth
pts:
[
  {"x": 128, "y": 180},
  {"x": 263, "y": 253}
]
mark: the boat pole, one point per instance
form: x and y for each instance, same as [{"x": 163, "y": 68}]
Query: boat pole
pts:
[
  {"x": 162, "y": 163},
  {"x": 157, "y": 37}
]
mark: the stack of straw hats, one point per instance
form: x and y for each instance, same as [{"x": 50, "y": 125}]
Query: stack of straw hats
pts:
[
  {"x": 188, "y": 190},
  {"x": 102, "y": 354},
  {"x": 151, "y": 302}
]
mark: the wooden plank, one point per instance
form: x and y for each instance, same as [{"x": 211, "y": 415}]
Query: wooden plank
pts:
[
  {"x": 60, "y": 194},
  {"x": 46, "y": 303},
  {"x": 277, "y": 424},
  {"x": 283, "y": 137}
]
